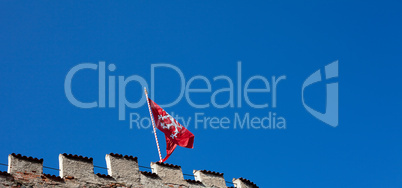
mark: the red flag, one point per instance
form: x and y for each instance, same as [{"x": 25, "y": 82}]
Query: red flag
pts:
[{"x": 175, "y": 133}]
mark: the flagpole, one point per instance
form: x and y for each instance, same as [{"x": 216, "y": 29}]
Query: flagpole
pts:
[{"x": 153, "y": 124}]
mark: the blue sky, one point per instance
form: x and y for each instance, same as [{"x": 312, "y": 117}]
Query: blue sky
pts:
[{"x": 40, "y": 42}]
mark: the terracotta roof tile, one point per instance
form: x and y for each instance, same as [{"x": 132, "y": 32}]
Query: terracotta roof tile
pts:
[
  {"x": 19, "y": 156},
  {"x": 104, "y": 176},
  {"x": 4, "y": 173},
  {"x": 78, "y": 157},
  {"x": 168, "y": 165},
  {"x": 212, "y": 172},
  {"x": 193, "y": 181},
  {"x": 248, "y": 182},
  {"x": 125, "y": 156},
  {"x": 53, "y": 177},
  {"x": 149, "y": 174}
]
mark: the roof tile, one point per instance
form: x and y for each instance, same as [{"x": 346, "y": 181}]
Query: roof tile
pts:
[
  {"x": 212, "y": 172},
  {"x": 125, "y": 156},
  {"x": 53, "y": 177},
  {"x": 104, "y": 176},
  {"x": 193, "y": 181},
  {"x": 249, "y": 182},
  {"x": 149, "y": 174},
  {"x": 168, "y": 165},
  {"x": 19, "y": 156},
  {"x": 78, "y": 157}
]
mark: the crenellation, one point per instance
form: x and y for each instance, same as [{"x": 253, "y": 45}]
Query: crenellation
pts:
[
  {"x": 149, "y": 179},
  {"x": 76, "y": 166},
  {"x": 243, "y": 183},
  {"x": 123, "y": 168},
  {"x": 128, "y": 157},
  {"x": 105, "y": 179},
  {"x": 210, "y": 178},
  {"x": 194, "y": 184},
  {"x": 123, "y": 171},
  {"x": 20, "y": 163},
  {"x": 211, "y": 172},
  {"x": 169, "y": 173}
]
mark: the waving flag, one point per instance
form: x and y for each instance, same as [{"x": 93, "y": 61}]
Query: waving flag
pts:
[{"x": 175, "y": 133}]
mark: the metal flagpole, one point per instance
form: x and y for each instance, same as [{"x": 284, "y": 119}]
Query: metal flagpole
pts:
[{"x": 153, "y": 124}]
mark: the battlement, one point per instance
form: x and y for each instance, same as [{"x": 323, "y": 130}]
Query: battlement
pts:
[{"x": 123, "y": 171}]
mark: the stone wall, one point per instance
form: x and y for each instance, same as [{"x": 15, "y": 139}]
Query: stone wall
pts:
[{"x": 123, "y": 171}]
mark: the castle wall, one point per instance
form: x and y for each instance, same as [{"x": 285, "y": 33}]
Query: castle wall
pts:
[{"x": 123, "y": 171}]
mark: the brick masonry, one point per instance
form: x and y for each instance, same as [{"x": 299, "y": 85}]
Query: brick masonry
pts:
[{"x": 123, "y": 171}]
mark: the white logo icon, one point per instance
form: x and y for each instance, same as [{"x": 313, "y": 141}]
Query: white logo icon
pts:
[{"x": 331, "y": 111}]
